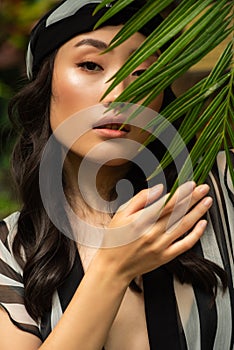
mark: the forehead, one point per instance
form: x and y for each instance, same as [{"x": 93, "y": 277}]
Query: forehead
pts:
[{"x": 106, "y": 34}]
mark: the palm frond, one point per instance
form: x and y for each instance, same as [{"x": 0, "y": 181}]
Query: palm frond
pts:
[
  {"x": 199, "y": 26},
  {"x": 170, "y": 27},
  {"x": 145, "y": 14},
  {"x": 178, "y": 60},
  {"x": 216, "y": 121},
  {"x": 119, "y": 5}
]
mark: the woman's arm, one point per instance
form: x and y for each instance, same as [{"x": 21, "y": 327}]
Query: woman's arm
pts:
[{"x": 88, "y": 318}]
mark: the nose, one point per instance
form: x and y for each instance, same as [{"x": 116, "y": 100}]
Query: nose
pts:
[{"x": 111, "y": 97}]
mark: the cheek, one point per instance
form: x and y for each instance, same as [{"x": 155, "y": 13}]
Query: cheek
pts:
[
  {"x": 139, "y": 136},
  {"x": 156, "y": 104},
  {"x": 70, "y": 94}
]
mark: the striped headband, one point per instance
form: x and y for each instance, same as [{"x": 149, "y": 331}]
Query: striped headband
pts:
[{"x": 68, "y": 19}]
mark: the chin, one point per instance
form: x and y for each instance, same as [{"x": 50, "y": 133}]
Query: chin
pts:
[{"x": 103, "y": 162}]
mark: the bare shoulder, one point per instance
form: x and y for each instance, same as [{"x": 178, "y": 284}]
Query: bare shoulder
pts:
[{"x": 11, "y": 337}]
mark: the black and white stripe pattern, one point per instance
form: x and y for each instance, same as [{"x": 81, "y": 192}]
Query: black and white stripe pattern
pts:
[
  {"x": 61, "y": 12},
  {"x": 197, "y": 325},
  {"x": 11, "y": 282},
  {"x": 70, "y": 18}
]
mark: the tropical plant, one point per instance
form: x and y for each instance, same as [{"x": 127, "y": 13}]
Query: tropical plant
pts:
[{"x": 197, "y": 27}]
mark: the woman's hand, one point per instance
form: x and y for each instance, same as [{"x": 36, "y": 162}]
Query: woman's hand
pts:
[
  {"x": 146, "y": 233},
  {"x": 150, "y": 235}
]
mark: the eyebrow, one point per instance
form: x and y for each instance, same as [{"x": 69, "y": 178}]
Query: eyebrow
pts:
[{"x": 98, "y": 44}]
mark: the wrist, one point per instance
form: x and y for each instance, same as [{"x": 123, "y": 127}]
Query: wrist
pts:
[{"x": 109, "y": 268}]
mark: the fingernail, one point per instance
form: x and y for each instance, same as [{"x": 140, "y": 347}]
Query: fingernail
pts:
[
  {"x": 156, "y": 189},
  {"x": 203, "y": 188},
  {"x": 203, "y": 224},
  {"x": 207, "y": 202},
  {"x": 190, "y": 183}
]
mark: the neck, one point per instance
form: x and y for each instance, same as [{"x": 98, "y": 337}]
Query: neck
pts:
[{"x": 91, "y": 187}]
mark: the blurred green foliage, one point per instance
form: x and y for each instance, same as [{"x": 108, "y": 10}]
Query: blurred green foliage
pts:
[{"x": 16, "y": 20}]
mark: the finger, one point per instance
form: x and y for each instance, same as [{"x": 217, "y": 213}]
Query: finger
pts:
[
  {"x": 198, "y": 193},
  {"x": 183, "y": 194},
  {"x": 187, "y": 242},
  {"x": 182, "y": 226},
  {"x": 181, "y": 207},
  {"x": 158, "y": 209},
  {"x": 142, "y": 199}
]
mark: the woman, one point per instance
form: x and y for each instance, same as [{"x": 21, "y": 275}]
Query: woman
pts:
[{"x": 161, "y": 287}]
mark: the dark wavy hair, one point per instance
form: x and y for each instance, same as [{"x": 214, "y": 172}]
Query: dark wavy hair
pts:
[{"x": 50, "y": 255}]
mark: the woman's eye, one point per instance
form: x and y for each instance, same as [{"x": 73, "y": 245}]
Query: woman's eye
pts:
[
  {"x": 90, "y": 66},
  {"x": 138, "y": 72}
]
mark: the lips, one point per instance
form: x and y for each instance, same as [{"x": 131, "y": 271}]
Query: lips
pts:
[{"x": 112, "y": 124}]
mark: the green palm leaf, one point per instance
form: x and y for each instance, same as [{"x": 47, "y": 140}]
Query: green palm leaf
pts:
[
  {"x": 217, "y": 120},
  {"x": 140, "y": 19},
  {"x": 204, "y": 25}
]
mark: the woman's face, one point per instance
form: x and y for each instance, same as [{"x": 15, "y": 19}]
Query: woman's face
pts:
[{"x": 80, "y": 78}]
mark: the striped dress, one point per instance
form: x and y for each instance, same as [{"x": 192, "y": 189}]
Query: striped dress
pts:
[{"x": 179, "y": 316}]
